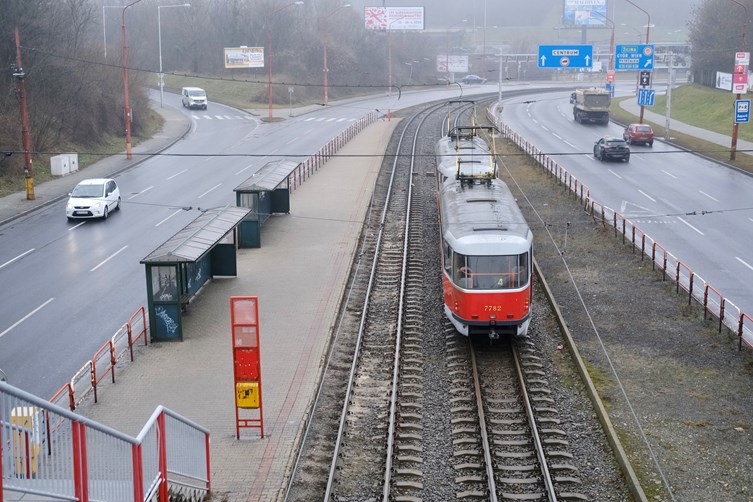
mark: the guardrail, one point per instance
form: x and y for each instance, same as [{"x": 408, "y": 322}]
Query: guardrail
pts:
[
  {"x": 48, "y": 451},
  {"x": 103, "y": 362},
  {"x": 712, "y": 300}
]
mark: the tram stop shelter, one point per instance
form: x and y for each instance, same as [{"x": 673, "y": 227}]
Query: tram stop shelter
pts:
[
  {"x": 178, "y": 268},
  {"x": 265, "y": 193}
]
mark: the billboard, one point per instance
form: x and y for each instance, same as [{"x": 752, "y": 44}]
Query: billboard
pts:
[
  {"x": 452, "y": 64},
  {"x": 584, "y": 13},
  {"x": 724, "y": 81},
  {"x": 394, "y": 18},
  {"x": 244, "y": 57}
]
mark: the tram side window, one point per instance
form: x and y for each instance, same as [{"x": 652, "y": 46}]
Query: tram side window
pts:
[
  {"x": 462, "y": 273},
  {"x": 448, "y": 258}
]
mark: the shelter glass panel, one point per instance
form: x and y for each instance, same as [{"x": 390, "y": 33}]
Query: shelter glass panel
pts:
[{"x": 164, "y": 284}]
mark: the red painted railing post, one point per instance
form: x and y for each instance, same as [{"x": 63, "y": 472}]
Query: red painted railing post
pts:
[
  {"x": 162, "y": 449},
  {"x": 138, "y": 474}
]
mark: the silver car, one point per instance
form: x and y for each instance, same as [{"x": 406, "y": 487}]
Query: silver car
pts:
[{"x": 93, "y": 198}]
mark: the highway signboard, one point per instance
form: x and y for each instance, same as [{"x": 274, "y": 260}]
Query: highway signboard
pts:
[
  {"x": 634, "y": 57},
  {"x": 565, "y": 56}
]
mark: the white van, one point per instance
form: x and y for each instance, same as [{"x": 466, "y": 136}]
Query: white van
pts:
[{"x": 194, "y": 97}]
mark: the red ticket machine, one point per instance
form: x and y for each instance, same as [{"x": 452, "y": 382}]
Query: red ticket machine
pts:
[{"x": 244, "y": 322}]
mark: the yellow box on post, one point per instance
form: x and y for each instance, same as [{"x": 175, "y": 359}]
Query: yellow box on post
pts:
[
  {"x": 27, "y": 439},
  {"x": 247, "y": 395}
]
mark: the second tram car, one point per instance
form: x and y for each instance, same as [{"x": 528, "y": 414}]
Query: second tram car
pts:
[
  {"x": 464, "y": 153},
  {"x": 487, "y": 258}
]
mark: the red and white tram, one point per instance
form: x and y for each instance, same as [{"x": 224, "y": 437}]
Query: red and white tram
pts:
[{"x": 487, "y": 258}]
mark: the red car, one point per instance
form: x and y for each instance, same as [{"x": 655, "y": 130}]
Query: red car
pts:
[{"x": 639, "y": 133}]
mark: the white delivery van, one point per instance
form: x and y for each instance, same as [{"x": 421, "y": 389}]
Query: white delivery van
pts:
[{"x": 194, "y": 97}]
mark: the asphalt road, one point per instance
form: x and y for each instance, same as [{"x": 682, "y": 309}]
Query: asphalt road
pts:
[{"x": 696, "y": 209}]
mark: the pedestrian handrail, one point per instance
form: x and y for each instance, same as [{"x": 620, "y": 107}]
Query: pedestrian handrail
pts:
[
  {"x": 49, "y": 451},
  {"x": 713, "y": 301}
]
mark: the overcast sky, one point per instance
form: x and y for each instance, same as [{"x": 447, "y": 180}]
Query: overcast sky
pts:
[{"x": 441, "y": 13}]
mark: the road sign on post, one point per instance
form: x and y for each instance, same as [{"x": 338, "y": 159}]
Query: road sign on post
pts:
[
  {"x": 634, "y": 57},
  {"x": 740, "y": 74},
  {"x": 565, "y": 56},
  {"x": 645, "y": 78},
  {"x": 646, "y": 97},
  {"x": 742, "y": 110}
]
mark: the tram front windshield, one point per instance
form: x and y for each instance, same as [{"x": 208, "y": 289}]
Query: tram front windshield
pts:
[{"x": 491, "y": 272}]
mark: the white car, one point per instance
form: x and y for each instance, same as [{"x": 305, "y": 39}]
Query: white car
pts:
[{"x": 93, "y": 198}]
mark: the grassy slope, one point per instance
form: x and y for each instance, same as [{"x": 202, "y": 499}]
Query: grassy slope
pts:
[{"x": 710, "y": 109}]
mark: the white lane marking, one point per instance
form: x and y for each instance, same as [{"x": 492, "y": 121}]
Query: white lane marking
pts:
[
  {"x": 219, "y": 117},
  {"x": 744, "y": 262},
  {"x": 691, "y": 226},
  {"x": 141, "y": 192},
  {"x": 707, "y": 195},
  {"x": 74, "y": 227},
  {"x": 307, "y": 132},
  {"x": 341, "y": 120},
  {"x": 17, "y": 257},
  {"x": 292, "y": 141},
  {"x": 308, "y": 119},
  {"x": 213, "y": 188},
  {"x": 647, "y": 196},
  {"x": 161, "y": 222},
  {"x": 571, "y": 145},
  {"x": 547, "y": 129},
  {"x": 109, "y": 258},
  {"x": 245, "y": 168},
  {"x": 535, "y": 121},
  {"x": 209, "y": 158},
  {"x": 669, "y": 174},
  {"x": 751, "y": 219},
  {"x": 177, "y": 174},
  {"x": 27, "y": 316},
  {"x": 618, "y": 176}
]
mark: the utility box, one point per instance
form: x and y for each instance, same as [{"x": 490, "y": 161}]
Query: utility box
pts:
[
  {"x": 72, "y": 161},
  {"x": 27, "y": 439},
  {"x": 60, "y": 165}
]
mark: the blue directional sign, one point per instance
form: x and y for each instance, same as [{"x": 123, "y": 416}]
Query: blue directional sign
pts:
[
  {"x": 565, "y": 56},
  {"x": 742, "y": 110},
  {"x": 634, "y": 57},
  {"x": 646, "y": 97}
]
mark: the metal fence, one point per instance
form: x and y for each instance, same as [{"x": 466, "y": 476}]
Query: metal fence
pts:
[
  {"x": 713, "y": 301},
  {"x": 48, "y": 451}
]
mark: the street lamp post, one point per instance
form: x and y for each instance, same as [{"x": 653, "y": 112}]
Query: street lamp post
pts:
[
  {"x": 124, "y": 64},
  {"x": 159, "y": 37},
  {"x": 648, "y": 27},
  {"x": 269, "y": 56},
  {"x": 325, "y": 69},
  {"x": 447, "y": 54},
  {"x": 743, "y": 48},
  {"x": 611, "y": 39},
  {"x": 389, "y": 55},
  {"x": 410, "y": 76},
  {"x": 104, "y": 24}
]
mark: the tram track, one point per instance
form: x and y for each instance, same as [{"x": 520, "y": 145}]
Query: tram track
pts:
[{"x": 396, "y": 416}]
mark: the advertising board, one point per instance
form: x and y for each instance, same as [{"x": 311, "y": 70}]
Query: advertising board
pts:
[
  {"x": 452, "y": 64},
  {"x": 584, "y": 13},
  {"x": 244, "y": 57},
  {"x": 394, "y": 18}
]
